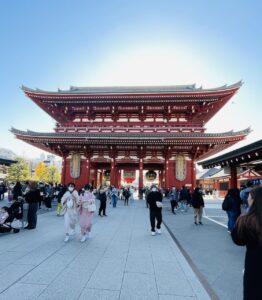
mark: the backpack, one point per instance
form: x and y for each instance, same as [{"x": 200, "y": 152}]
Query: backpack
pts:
[{"x": 227, "y": 203}]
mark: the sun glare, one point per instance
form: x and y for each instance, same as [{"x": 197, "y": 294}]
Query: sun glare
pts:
[{"x": 152, "y": 66}]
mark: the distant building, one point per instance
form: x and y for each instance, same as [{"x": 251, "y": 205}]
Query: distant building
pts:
[
  {"x": 4, "y": 165},
  {"x": 237, "y": 167}
]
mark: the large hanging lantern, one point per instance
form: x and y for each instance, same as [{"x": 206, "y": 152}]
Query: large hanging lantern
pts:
[
  {"x": 129, "y": 176},
  {"x": 106, "y": 175},
  {"x": 180, "y": 167},
  {"x": 75, "y": 165},
  {"x": 151, "y": 175}
]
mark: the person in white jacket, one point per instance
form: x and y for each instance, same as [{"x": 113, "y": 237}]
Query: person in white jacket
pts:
[{"x": 69, "y": 207}]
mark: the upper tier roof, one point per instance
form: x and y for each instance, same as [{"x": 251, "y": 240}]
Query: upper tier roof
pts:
[{"x": 135, "y": 89}]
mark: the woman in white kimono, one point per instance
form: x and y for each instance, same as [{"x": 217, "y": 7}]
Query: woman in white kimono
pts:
[{"x": 69, "y": 207}]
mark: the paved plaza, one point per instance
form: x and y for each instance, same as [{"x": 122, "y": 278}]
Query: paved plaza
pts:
[{"x": 121, "y": 260}]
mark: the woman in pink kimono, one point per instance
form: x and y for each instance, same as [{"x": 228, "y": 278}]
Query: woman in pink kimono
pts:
[{"x": 86, "y": 211}]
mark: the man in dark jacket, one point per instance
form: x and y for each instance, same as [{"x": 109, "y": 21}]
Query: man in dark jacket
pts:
[
  {"x": 154, "y": 200},
  {"x": 198, "y": 205}
]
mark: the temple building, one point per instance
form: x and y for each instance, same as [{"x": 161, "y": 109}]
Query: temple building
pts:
[{"x": 114, "y": 135}]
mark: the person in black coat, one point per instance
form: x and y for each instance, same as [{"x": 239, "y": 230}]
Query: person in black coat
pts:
[
  {"x": 198, "y": 205},
  {"x": 17, "y": 190},
  {"x": 154, "y": 200},
  {"x": 248, "y": 232},
  {"x": 233, "y": 197},
  {"x": 126, "y": 195},
  {"x": 102, "y": 198},
  {"x": 32, "y": 198}
]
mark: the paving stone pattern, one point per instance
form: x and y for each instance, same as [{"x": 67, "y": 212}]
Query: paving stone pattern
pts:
[{"x": 121, "y": 260}]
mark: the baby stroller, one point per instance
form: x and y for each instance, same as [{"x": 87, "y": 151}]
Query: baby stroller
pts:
[{"x": 13, "y": 221}]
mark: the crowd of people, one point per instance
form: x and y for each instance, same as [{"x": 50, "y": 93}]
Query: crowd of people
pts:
[{"x": 243, "y": 208}]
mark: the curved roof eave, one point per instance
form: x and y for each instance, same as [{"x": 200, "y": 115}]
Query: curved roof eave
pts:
[
  {"x": 133, "y": 89},
  {"x": 119, "y": 135}
]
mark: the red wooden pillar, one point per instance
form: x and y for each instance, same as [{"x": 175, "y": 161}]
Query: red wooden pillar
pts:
[
  {"x": 160, "y": 178},
  {"x": 101, "y": 177},
  {"x": 63, "y": 175},
  {"x": 167, "y": 173},
  {"x": 88, "y": 170},
  {"x": 140, "y": 182},
  {"x": 112, "y": 172},
  {"x": 193, "y": 174},
  {"x": 95, "y": 183},
  {"x": 233, "y": 177}
]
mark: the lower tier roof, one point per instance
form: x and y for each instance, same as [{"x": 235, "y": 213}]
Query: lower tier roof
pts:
[{"x": 198, "y": 145}]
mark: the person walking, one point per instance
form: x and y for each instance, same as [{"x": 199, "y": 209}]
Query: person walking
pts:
[
  {"x": 198, "y": 205},
  {"x": 126, "y": 195},
  {"x": 154, "y": 200},
  {"x": 173, "y": 196},
  {"x": 248, "y": 232},
  {"x": 244, "y": 195},
  {"x": 32, "y": 197},
  {"x": 102, "y": 197},
  {"x": 48, "y": 196},
  {"x": 2, "y": 191},
  {"x": 86, "y": 201},
  {"x": 183, "y": 197},
  {"x": 61, "y": 191},
  {"x": 69, "y": 209},
  {"x": 233, "y": 207},
  {"x": 114, "y": 196}
]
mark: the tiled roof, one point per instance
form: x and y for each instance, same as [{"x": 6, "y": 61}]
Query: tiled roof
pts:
[
  {"x": 135, "y": 89},
  {"x": 256, "y": 146},
  {"x": 112, "y": 135}
]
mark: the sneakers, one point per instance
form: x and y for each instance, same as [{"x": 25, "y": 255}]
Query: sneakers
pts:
[
  {"x": 153, "y": 233},
  {"x": 66, "y": 239},
  {"x": 83, "y": 239},
  {"x": 158, "y": 231}
]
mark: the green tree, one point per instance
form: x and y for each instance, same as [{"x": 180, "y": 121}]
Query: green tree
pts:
[
  {"x": 40, "y": 172},
  {"x": 52, "y": 174},
  {"x": 18, "y": 171}
]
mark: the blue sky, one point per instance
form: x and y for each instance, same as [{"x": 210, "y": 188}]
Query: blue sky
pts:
[{"x": 54, "y": 44}]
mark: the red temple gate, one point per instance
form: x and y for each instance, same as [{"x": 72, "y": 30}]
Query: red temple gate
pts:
[{"x": 141, "y": 128}]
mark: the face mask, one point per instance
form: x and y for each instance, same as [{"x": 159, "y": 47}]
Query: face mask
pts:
[
  {"x": 154, "y": 189},
  {"x": 71, "y": 189}
]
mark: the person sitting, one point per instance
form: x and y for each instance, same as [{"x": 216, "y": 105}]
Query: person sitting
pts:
[{"x": 3, "y": 214}]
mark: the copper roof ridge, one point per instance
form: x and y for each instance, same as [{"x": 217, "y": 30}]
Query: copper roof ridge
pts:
[{"x": 134, "y": 89}]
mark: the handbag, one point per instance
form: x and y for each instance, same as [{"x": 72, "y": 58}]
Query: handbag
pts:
[
  {"x": 70, "y": 203},
  {"x": 17, "y": 224},
  {"x": 91, "y": 207},
  {"x": 159, "y": 204}
]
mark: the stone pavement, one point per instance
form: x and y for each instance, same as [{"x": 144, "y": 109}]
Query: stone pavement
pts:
[
  {"x": 211, "y": 251},
  {"x": 121, "y": 260}
]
